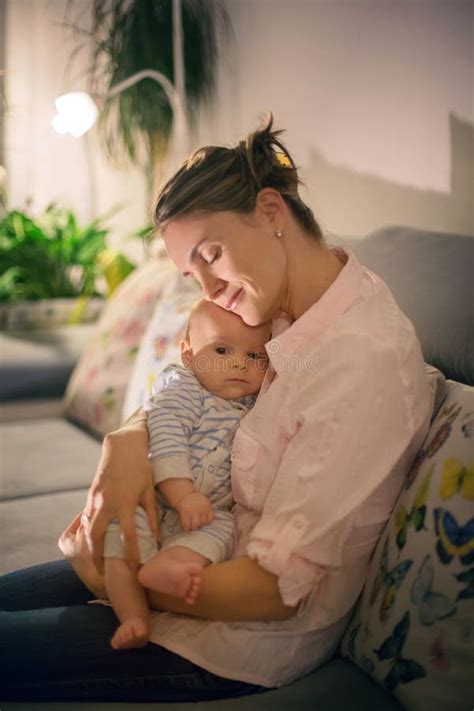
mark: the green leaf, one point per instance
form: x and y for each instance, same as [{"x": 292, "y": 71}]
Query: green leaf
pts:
[{"x": 131, "y": 35}]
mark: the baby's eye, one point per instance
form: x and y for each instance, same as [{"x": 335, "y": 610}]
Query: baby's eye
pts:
[
  {"x": 257, "y": 356},
  {"x": 221, "y": 350}
]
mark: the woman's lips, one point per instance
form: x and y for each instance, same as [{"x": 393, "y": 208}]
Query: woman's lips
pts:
[{"x": 230, "y": 305}]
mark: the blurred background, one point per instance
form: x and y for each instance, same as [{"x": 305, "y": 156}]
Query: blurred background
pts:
[{"x": 376, "y": 97}]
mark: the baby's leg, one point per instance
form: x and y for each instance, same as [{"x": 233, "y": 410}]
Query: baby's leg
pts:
[
  {"x": 175, "y": 571},
  {"x": 130, "y": 604}
]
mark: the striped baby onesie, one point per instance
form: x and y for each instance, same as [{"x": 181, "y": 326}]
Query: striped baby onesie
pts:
[{"x": 191, "y": 433}]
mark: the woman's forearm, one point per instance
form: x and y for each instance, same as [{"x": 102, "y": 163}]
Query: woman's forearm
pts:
[
  {"x": 235, "y": 590},
  {"x": 123, "y": 480},
  {"x": 137, "y": 417}
]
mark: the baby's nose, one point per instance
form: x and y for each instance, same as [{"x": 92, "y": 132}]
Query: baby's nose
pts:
[{"x": 239, "y": 361}]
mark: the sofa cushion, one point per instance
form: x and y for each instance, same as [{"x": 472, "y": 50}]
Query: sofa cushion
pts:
[
  {"x": 413, "y": 628},
  {"x": 96, "y": 391},
  {"x": 45, "y": 456},
  {"x": 430, "y": 275},
  {"x": 160, "y": 343},
  {"x": 32, "y": 525}
]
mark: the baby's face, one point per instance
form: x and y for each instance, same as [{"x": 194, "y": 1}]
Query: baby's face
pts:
[{"x": 227, "y": 356}]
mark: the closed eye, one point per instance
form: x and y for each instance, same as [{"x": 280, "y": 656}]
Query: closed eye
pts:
[
  {"x": 211, "y": 256},
  {"x": 208, "y": 254}
]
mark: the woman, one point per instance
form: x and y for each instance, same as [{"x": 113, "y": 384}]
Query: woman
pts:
[{"x": 317, "y": 464}]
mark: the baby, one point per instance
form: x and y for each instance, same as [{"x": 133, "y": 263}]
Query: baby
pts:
[{"x": 192, "y": 418}]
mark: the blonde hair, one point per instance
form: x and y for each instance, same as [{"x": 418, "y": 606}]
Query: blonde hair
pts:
[{"x": 216, "y": 178}]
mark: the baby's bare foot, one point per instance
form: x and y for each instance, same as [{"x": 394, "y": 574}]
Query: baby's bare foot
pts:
[
  {"x": 172, "y": 578},
  {"x": 134, "y": 632}
]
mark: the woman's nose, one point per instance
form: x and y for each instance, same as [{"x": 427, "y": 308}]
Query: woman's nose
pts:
[{"x": 211, "y": 286}]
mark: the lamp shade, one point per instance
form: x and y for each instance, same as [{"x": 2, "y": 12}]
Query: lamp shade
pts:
[{"x": 76, "y": 113}]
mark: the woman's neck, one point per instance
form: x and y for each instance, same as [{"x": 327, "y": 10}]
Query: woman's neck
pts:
[{"x": 312, "y": 268}]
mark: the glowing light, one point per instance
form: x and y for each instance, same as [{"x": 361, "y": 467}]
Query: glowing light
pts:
[{"x": 77, "y": 113}]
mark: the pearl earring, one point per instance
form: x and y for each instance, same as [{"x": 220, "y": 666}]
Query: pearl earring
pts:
[{"x": 279, "y": 233}]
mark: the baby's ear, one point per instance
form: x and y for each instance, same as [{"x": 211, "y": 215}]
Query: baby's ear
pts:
[{"x": 186, "y": 352}]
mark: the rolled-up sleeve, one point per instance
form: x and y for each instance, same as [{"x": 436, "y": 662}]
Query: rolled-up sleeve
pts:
[{"x": 349, "y": 427}]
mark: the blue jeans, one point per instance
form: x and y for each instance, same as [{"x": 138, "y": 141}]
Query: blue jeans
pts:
[{"x": 53, "y": 646}]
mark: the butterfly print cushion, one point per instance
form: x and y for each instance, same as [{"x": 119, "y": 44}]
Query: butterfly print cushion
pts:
[{"x": 413, "y": 628}]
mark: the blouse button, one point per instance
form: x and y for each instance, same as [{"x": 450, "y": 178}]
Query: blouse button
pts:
[{"x": 210, "y": 468}]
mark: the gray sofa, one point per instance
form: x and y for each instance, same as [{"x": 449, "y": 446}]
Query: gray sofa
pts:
[{"x": 430, "y": 275}]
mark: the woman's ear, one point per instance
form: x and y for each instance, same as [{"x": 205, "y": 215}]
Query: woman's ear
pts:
[
  {"x": 272, "y": 204},
  {"x": 186, "y": 352}
]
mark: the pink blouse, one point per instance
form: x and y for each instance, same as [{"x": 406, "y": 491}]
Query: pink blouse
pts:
[{"x": 316, "y": 469}]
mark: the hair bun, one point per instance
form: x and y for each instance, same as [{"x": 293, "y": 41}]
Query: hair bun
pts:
[
  {"x": 269, "y": 162},
  {"x": 218, "y": 178}
]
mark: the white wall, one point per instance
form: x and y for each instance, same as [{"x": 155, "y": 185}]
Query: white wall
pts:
[
  {"x": 376, "y": 97},
  {"x": 369, "y": 92},
  {"x": 41, "y": 165}
]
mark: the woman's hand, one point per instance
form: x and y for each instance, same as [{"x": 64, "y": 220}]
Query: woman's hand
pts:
[
  {"x": 73, "y": 545},
  {"x": 123, "y": 480}
]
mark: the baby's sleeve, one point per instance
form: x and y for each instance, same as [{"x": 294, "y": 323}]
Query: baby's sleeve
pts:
[{"x": 172, "y": 413}]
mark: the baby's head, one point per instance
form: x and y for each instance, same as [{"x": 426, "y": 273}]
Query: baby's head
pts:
[{"x": 227, "y": 356}]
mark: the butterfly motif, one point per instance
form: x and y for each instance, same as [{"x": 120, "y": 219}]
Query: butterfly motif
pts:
[
  {"x": 432, "y": 606},
  {"x": 412, "y": 474},
  {"x": 439, "y": 439},
  {"x": 453, "y": 539},
  {"x": 435, "y": 443},
  {"x": 402, "y": 670},
  {"x": 468, "y": 427},
  {"x": 416, "y": 517},
  {"x": 449, "y": 409},
  {"x": 352, "y": 640},
  {"x": 457, "y": 477},
  {"x": 364, "y": 661},
  {"x": 390, "y": 580},
  {"x": 467, "y": 576},
  {"x": 437, "y": 655}
]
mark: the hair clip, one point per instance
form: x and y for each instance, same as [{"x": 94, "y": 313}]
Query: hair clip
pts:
[{"x": 283, "y": 160}]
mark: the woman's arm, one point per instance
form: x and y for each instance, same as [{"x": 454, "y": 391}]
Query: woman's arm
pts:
[
  {"x": 123, "y": 480},
  {"x": 235, "y": 590},
  {"x": 238, "y": 589}
]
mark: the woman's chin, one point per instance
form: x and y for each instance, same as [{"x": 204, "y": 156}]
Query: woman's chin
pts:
[{"x": 251, "y": 317}]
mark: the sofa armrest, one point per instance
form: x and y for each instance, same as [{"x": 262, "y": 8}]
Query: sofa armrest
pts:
[{"x": 37, "y": 364}]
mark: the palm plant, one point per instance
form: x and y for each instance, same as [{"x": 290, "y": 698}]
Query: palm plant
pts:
[{"x": 132, "y": 35}]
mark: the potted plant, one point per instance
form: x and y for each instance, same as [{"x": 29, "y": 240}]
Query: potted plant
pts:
[
  {"x": 133, "y": 35},
  {"x": 52, "y": 271}
]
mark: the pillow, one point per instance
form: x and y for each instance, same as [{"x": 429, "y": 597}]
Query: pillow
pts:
[
  {"x": 96, "y": 390},
  {"x": 160, "y": 344},
  {"x": 413, "y": 628},
  {"x": 430, "y": 277}
]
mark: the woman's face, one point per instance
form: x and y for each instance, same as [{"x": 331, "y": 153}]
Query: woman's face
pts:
[{"x": 237, "y": 259}]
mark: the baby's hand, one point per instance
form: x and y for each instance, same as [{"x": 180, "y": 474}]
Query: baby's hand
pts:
[{"x": 195, "y": 511}]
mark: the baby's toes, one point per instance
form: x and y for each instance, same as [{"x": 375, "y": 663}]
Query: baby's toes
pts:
[
  {"x": 117, "y": 640},
  {"x": 194, "y": 589}
]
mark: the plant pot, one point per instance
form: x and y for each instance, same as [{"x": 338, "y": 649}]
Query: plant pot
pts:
[{"x": 49, "y": 313}]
